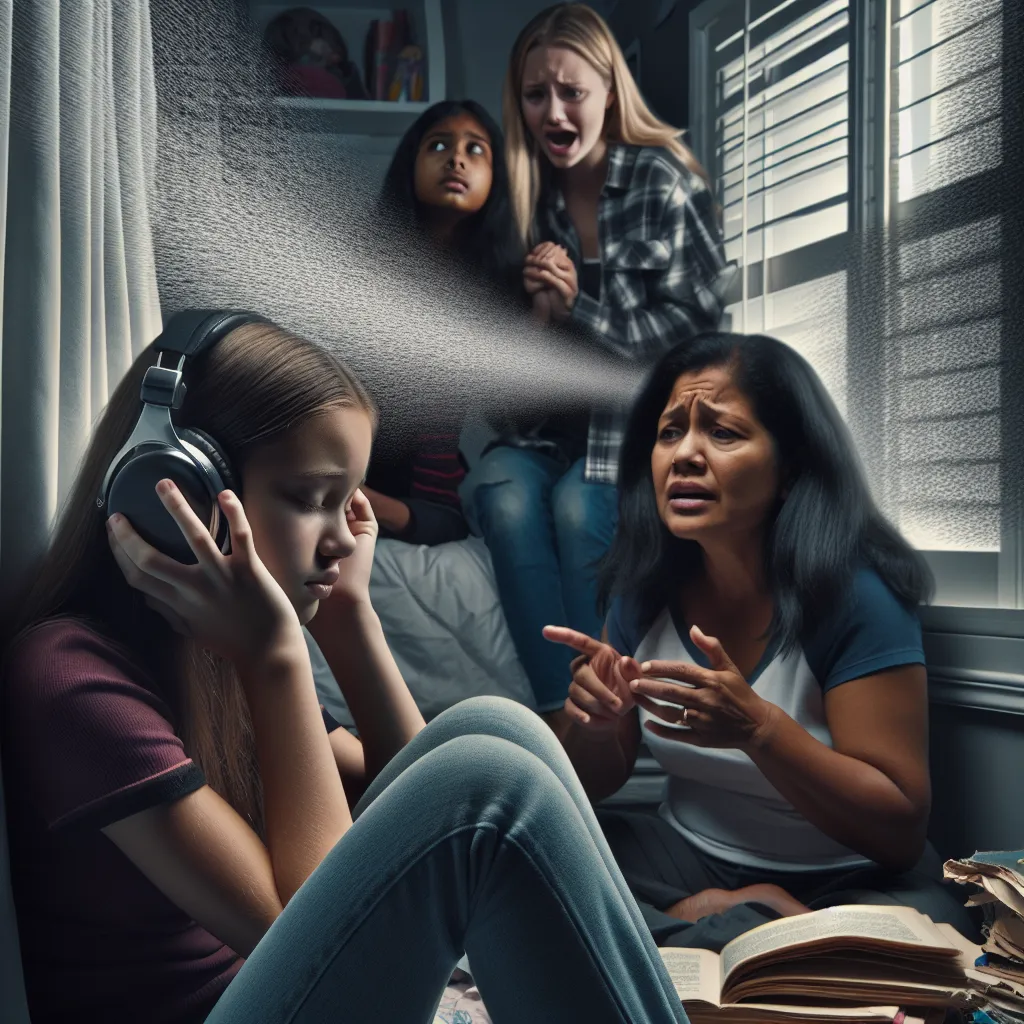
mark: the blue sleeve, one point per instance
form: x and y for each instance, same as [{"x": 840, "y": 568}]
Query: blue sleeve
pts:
[
  {"x": 623, "y": 625},
  {"x": 871, "y": 631}
]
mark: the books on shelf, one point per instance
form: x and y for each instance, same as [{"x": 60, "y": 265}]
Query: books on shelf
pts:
[
  {"x": 844, "y": 964},
  {"x": 393, "y": 61}
]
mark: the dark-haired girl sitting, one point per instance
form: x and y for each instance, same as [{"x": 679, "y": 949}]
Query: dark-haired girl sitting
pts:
[
  {"x": 448, "y": 180},
  {"x": 762, "y": 639}
]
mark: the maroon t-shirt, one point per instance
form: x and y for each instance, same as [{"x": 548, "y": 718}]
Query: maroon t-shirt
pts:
[{"x": 87, "y": 740}]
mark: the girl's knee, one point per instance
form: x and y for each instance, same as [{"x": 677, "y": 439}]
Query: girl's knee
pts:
[
  {"x": 570, "y": 507},
  {"x": 490, "y": 766},
  {"x": 582, "y": 507},
  {"x": 505, "y": 507},
  {"x": 505, "y": 719},
  {"x": 490, "y": 715}
]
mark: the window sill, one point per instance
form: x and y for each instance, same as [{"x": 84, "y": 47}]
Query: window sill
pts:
[
  {"x": 969, "y": 621},
  {"x": 975, "y": 657}
]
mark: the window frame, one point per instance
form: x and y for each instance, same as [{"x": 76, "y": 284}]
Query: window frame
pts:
[
  {"x": 789, "y": 269},
  {"x": 960, "y": 628}
]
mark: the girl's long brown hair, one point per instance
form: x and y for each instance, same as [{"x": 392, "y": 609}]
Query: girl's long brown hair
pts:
[
  {"x": 252, "y": 387},
  {"x": 579, "y": 28}
]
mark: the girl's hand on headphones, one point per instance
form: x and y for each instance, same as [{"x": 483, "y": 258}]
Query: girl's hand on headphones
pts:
[
  {"x": 353, "y": 586},
  {"x": 230, "y": 604}
]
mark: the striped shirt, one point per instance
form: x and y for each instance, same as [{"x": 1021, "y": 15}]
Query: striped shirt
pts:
[
  {"x": 663, "y": 274},
  {"x": 426, "y": 477},
  {"x": 437, "y": 470}
]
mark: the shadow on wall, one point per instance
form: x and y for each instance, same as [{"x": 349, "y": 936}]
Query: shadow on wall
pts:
[
  {"x": 660, "y": 30},
  {"x": 976, "y": 764},
  {"x": 478, "y": 40}
]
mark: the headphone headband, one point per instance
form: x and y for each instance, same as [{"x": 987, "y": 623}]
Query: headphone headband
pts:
[{"x": 194, "y": 330}]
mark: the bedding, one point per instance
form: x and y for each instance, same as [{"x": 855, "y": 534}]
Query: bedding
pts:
[{"x": 444, "y": 624}]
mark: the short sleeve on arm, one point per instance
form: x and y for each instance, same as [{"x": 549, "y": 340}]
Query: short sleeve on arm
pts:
[
  {"x": 872, "y": 631},
  {"x": 623, "y": 625},
  {"x": 94, "y": 742},
  {"x": 330, "y": 722}
]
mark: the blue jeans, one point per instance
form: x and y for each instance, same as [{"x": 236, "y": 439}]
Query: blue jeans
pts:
[
  {"x": 477, "y": 837},
  {"x": 545, "y": 528}
]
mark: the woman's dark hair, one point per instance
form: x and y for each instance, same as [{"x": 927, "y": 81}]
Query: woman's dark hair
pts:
[
  {"x": 487, "y": 239},
  {"x": 827, "y": 527}
]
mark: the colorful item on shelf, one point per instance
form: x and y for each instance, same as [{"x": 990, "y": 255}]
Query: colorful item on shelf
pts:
[
  {"x": 312, "y": 56},
  {"x": 379, "y": 45},
  {"x": 407, "y": 85},
  {"x": 394, "y": 63}
]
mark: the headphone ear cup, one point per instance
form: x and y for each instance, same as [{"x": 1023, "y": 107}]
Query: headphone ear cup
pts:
[
  {"x": 133, "y": 494},
  {"x": 211, "y": 450}
]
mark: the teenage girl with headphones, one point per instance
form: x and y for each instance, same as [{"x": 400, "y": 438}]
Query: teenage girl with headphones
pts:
[{"x": 182, "y": 841}]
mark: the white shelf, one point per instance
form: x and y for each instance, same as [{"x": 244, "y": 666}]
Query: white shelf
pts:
[
  {"x": 350, "y": 117},
  {"x": 353, "y": 106},
  {"x": 365, "y": 117}
]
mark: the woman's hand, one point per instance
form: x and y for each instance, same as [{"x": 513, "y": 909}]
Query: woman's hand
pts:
[
  {"x": 542, "y": 251},
  {"x": 719, "y": 707},
  {"x": 230, "y": 604},
  {"x": 353, "y": 586},
  {"x": 599, "y": 693},
  {"x": 542, "y": 305},
  {"x": 552, "y": 270}
]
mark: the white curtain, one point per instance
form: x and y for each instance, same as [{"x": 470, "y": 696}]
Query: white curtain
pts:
[{"x": 79, "y": 291}]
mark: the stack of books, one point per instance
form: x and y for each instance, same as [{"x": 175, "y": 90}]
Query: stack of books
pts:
[
  {"x": 998, "y": 971},
  {"x": 843, "y": 965}
]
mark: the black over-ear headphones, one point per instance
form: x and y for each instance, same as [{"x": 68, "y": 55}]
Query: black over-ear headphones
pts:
[{"x": 157, "y": 449}]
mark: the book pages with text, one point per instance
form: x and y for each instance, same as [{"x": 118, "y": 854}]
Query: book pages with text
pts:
[
  {"x": 888, "y": 925},
  {"x": 696, "y": 974}
]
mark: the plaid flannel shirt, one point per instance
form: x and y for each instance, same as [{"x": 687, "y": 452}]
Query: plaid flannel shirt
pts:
[{"x": 663, "y": 274}]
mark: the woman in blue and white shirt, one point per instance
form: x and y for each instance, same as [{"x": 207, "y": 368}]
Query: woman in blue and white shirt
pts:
[
  {"x": 624, "y": 250},
  {"x": 763, "y": 641}
]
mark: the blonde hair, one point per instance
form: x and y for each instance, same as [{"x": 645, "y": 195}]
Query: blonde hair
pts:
[{"x": 579, "y": 28}]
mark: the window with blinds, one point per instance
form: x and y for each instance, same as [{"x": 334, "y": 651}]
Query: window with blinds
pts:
[
  {"x": 885, "y": 116},
  {"x": 780, "y": 126},
  {"x": 943, "y": 351}
]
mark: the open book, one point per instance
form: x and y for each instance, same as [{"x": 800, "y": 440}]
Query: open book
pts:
[{"x": 840, "y": 964}]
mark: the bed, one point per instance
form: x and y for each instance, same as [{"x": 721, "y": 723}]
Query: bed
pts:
[{"x": 444, "y": 625}]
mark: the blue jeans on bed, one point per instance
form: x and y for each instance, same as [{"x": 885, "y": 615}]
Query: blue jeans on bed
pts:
[
  {"x": 477, "y": 837},
  {"x": 546, "y": 528}
]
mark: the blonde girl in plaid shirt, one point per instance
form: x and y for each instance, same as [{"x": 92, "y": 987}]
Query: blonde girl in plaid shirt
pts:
[
  {"x": 626, "y": 192},
  {"x": 624, "y": 250}
]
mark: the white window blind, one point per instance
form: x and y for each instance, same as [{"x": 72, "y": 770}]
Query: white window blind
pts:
[
  {"x": 943, "y": 281},
  {"x": 885, "y": 115},
  {"x": 781, "y": 129}
]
